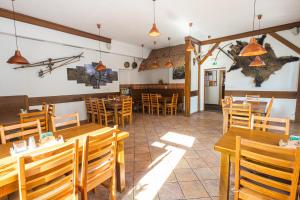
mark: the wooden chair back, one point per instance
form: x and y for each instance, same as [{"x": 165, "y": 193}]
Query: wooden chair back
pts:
[
  {"x": 145, "y": 98},
  {"x": 5, "y": 169},
  {"x": 20, "y": 130},
  {"x": 154, "y": 100},
  {"x": 44, "y": 106},
  {"x": 277, "y": 125},
  {"x": 51, "y": 110},
  {"x": 174, "y": 100},
  {"x": 240, "y": 115},
  {"x": 42, "y": 116},
  {"x": 94, "y": 106},
  {"x": 49, "y": 174},
  {"x": 98, "y": 159},
  {"x": 265, "y": 171},
  {"x": 111, "y": 97},
  {"x": 65, "y": 121},
  {"x": 127, "y": 106},
  {"x": 87, "y": 101},
  {"x": 254, "y": 97},
  {"x": 268, "y": 113},
  {"x": 226, "y": 102},
  {"x": 101, "y": 107}
]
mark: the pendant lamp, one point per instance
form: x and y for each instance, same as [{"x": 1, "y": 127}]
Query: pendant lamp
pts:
[
  {"x": 142, "y": 65},
  {"x": 253, "y": 48},
  {"x": 154, "y": 32},
  {"x": 257, "y": 62},
  {"x": 169, "y": 64},
  {"x": 190, "y": 46},
  {"x": 17, "y": 58},
  {"x": 155, "y": 63},
  {"x": 100, "y": 66}
]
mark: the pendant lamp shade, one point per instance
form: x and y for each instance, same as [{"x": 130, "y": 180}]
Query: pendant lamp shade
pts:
[
  {"x": 100, "y": 66},
  {"x": 155, "y": 64},
  {"x": 17, "y": 58},
  {"x": 190, "y": 46},
  {"x": 169, "y": 64},
  {"x": 257, "y": 62},
  {"x": 154, "y": 32},
  {"x": 253, "y": 49}
]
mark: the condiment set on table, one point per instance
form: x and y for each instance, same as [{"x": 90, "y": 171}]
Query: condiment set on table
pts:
[{"x": 293, "y": 142}]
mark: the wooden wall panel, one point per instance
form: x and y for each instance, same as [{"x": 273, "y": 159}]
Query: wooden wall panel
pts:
[{"x": 264, "y": 94}]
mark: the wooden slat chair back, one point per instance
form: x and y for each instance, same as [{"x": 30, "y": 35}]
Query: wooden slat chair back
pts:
[
  {"x": 240, "y": 115},
  {"x": 226, "y": 102},
  {"x": 155, "y": 105},
  {"x": 103, "y": 113},
  {"x": 65, "y": 121},
  {"x": 42, "y": 116},
  {"x": 265, "y": 171},
  {"x": 49, "y": 174},
  {"x": 9, "y": 167},
  {"x": 175, "y": 101},
  {"x": 270, "y": 124},
  {"x": 268, "y": 113},
  {"x": 94, "y": 109},
  {"x": 45, "y": 106},
  {"x": 146, "y": 102},
  {"x": 254, "y": 97},
  {"x": 51, "y": 110},
  {"x": 126, "y": 111},
  {"x": 87, "y": 101},
  {"x": 98, "y": 162},
  {"x": 22, "y": 130}
]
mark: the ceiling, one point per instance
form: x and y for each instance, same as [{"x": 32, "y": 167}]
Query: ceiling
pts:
[{"x": 130, "y": 20}]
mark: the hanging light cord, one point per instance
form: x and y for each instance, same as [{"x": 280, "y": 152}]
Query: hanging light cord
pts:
[
  {"x": 142, "y": 51},
  {"x": 99, "y": 42},
  {"x": 154, "y": 10},
  {"x": 169, "y": 47},
  {"x": 14, "y": 15},
  {"x": 254, "y": 14}
]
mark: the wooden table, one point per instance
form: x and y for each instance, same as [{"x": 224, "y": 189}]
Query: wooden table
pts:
[
  {"x": 9, "y": 178},
  {"x": 256, "y": 107},
  {"x": 116, "y": 106},
  {"x": 164, "y": 100},
  {"x": 226, "y": 146}
]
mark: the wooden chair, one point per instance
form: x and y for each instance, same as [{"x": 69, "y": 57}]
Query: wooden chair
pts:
[
  {"x": 172, "y": 107},
  {"x": 155, "y": 105},
  {"x": 126, "y": 111},
  {"x": 146, "y": 102},
  {"x": 44, "y": 106},
  {"x": 98, "y": 162},
  {"x": 264, "y": 171},
  {"x": 254, "y": 97},
  {"x": 51, "y": 110},
  {"x": 105, "y": 115},
  {"x": 240, "y": 115},
  {"x": 20, "y": 130},
  {"x": 94, "y": 109},
  {"x": 49, "y": 174},
  {"x": 268, "y": 113},
  {"x": 5, "y": 180},
  {"x": 278, "y": 125},
  {"x": 87, "y": 102},
  {"x": 65, "y": 121},
  {"x": 41, "y": 115}
]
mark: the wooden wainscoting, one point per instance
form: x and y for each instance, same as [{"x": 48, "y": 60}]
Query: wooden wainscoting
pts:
[{"x": 263, "y": 94}]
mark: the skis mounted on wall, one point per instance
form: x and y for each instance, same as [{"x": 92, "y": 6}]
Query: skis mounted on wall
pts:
[{"x": 52, "y": 64}]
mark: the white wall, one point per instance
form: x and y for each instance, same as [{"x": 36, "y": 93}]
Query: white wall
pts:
[
  {"x": 286, "y": 79},
  {"x": 27, "y": 82}
]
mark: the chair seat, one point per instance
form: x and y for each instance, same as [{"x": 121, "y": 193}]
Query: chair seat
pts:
[{"x": 246, "y": 193}]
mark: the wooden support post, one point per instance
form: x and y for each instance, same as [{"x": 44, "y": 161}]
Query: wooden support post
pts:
[
  {"x": 297, "y": 115},
  {"x": 187, "y": 85},
  {"x": 285, "y": 42}
]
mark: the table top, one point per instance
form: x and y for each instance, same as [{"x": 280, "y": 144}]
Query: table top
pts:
[
  {"x": 9, "y": 118},
  {"x": 226, "y": 143},
  {"x": 256, "y": 106},
  {"x": 68, "y": 135}
]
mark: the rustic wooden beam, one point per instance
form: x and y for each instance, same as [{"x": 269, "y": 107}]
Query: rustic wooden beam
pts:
[
  {"x": 209, "y": 53},
  {"x": 194, "y": 40},
  {"x": 187, "y": 84},
  {"x": 285, "y": 42},
  {"x": 51, "y": 25},
  {"x": 252, "y": 33}
]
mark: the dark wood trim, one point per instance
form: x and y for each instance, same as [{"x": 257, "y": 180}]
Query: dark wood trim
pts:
[
  {"x": 187, "y": 85},
  {"x": 51, "y": 25},
  {"x": 263, "y": 94},
  {"x": 154, "y": 86},
  {"x": 194, "y": 93},
  {"x": 33, "y": 101},
  {"x": 285, "y": 42},
  {"x": 252, "y": 33}
]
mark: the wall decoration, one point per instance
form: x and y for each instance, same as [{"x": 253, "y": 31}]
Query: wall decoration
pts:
[
  {"x": 90, "y": 77},
  {"x": 260, "y": 74},
  {"x": 178, "y": 73},
  {"x": 52, "y": 64}
]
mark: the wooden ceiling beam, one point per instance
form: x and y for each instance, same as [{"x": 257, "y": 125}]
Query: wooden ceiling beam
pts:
[
  {"x": 285, "y": 42},
  {"x": 252, "y": 33},
  {"x": 209, "y": 53},
  {"x": 51, "y": 25},
  {"x": 194, "y": 40}
]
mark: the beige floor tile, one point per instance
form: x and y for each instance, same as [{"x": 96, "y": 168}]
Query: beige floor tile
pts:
[
  {"x": 185, "y": 174},
  {"x": 196, "y": 162},
  {"x": 170, "y": 191},
  {"x": 212, "y": 187},
  {"x": 193, "y": 189},
  {"x": 205, "y": 173}
]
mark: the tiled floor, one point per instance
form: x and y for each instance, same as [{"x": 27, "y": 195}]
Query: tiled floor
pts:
[{"x": 172, "y": 157}]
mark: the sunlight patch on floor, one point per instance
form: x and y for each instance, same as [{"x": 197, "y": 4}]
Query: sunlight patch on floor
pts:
[{"x": 178, "y": 138}]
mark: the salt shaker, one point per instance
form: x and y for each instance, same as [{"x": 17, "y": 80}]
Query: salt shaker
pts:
[{"x": 31, "y": 142}]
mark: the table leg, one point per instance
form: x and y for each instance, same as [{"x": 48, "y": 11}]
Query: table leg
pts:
[
  {"x": 165, "y": 107},
  {"x": 116, "y": 115},
  {"x": 224, "y": 177},
  {"x": 225, "y": 121},
  {"x": 120, "y": 167}
]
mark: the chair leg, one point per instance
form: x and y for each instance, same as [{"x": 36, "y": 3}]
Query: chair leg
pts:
[
  {"x": 84, "y": 195},
  {"x": 149, "y": 109},
  {"x": 112, "y": 188},
  {"x": 143, "y": 109},
  {"x": 106, "y": 124},
  {"x": 131, "y": 118},
  {"x": 123, "y": 122}
]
